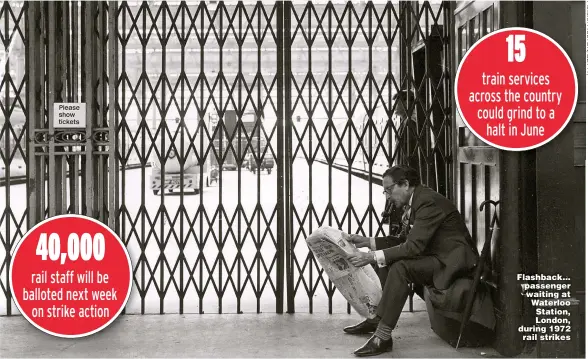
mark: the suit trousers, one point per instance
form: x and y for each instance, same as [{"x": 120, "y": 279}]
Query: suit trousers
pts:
[{"x": 418, "y": 271}]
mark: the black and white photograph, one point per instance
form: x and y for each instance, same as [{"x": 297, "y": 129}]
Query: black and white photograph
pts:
[{"x": 237, "y": 179}]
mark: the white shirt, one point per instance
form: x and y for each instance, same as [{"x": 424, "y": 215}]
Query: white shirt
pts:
[{"x": 380, "y": 258}]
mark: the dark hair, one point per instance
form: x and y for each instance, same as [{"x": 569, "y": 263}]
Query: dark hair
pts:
[{"x": 403, "y": 173}]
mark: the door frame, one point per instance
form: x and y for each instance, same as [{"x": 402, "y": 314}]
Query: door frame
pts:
[{"x": 517, "y": 178}]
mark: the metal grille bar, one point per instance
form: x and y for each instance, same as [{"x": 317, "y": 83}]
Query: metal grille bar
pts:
[
  {"x": 227, "y": 239},
  {"x": 13, "y": 133},
  {"x": 173, "y": 90},
  {"x": 53, "y": 155},
  {"x": 343, "y": 116}
]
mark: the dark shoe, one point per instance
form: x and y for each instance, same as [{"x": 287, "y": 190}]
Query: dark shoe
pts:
[
  {"x": 364, "y": 327},
  {"x": 374, "y": 346}
]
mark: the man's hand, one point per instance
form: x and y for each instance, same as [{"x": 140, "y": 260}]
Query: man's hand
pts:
[
  {"x": 359, "y": 241},
  {"x": 361, "y": 259}
]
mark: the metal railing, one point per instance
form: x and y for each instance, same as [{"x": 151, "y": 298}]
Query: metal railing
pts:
[{"x": 167, "y": 102}]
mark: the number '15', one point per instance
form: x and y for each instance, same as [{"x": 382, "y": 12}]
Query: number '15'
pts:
[{"x": 516, "y": 48}]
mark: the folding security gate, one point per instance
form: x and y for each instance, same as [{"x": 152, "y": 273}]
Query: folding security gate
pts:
[
  {"x": 202, "y": 86},
  {"x": 219, "y": 136},
  {"x": 346, "y": 63}
]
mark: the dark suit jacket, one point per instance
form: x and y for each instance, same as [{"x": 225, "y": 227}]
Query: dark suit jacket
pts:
[{"x": 438, "y": 230}]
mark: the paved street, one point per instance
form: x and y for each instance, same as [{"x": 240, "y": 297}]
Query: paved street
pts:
[{"x": 251, "y": 335}]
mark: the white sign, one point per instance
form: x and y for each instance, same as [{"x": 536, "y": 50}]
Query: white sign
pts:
[{"x": 69, "y": 115}]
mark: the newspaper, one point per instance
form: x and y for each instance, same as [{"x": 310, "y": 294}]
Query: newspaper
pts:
[{"x": 360, "y": 286}]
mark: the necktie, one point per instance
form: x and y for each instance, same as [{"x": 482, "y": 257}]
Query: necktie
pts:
[{"x": 406, "y": 219}]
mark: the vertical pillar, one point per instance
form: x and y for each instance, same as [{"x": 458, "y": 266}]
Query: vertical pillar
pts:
[
  {"x": 560, "y": 243},
  {"x": 515, "y": 219},
  {"x": 35, "y": 103},
  {"x": 113, "y": 173},
  {"x": 281, "y": 195},
  {"x": 89, "y": 97}
]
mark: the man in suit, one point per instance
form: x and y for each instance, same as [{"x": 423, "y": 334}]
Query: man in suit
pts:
[{"x": 434, "y": 249}]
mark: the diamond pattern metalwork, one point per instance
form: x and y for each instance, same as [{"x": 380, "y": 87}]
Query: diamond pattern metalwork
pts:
[
  {"x": 430, "y": 80},
  {"x": 343, "y": 115},
  {"x": 187, "y": 90},
  {"x": 13, "y": 134},
  {"x": 310, "y": 86}
]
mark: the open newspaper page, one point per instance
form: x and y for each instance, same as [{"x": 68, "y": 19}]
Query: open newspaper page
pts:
[{"x": 360, "y": 286}]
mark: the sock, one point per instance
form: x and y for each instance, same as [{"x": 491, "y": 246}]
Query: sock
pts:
[
  {"x": 383, "y": 331},
  {"x": 374, "y": 320}
]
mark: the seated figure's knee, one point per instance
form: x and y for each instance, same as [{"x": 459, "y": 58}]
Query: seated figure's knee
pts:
[{"x": 399, "y": 268}]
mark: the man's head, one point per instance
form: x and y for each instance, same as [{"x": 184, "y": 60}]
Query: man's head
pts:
[
  {"x": 399, "y": 183},
  {"x": 403, "y": 100}
]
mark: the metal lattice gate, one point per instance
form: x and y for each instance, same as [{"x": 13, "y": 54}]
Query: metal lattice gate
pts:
[
  {"x": 344, "y": 64},
  {"x": 219, "y": 136},
  {"x": 214, "y": 103}
]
